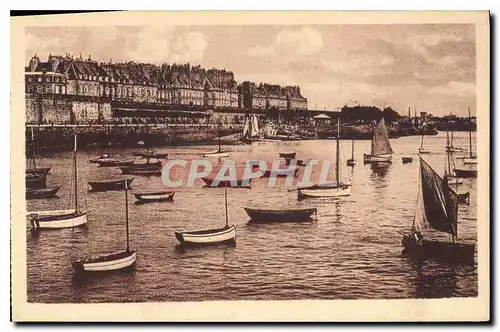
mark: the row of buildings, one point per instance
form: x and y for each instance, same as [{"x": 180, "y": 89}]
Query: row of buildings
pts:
[{"x": 97, "y": 88}]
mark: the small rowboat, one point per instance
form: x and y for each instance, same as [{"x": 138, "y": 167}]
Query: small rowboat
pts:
[
  {"x": 109, "y": 184},
  {"x": 367, "y": 159},
  {"x": 280, "y": 215},
  {"x": 324, "y": 191},
  {"x": 407, "y": 160},
  {"x": 39, "y": 171},
  {"x": 210, "y": 182},
  {"x": 207, "y": 237},
  {"x": 58, "y": 221},
  {"x": 110, "y": 162},
  {"x": 40, "y": 193},
  {"x": 279, "y": 172},
  {"x": 351, "y": 162},
  {"x": 465, "y": 173},
  {"x": 216, "y": 153},
  {"x": 287, "y": 155},
  {"x": 160, "y": 196},
  {"x": 51, "y": 213},
  {"x": 101, "y": 157},
  {"x": 151, "y": 155},
  {"x": 36, "y": 181},
  {"x": 106, "y": 263}
]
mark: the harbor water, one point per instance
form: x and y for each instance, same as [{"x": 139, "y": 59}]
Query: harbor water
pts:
[{"x": 352, "y": 251}]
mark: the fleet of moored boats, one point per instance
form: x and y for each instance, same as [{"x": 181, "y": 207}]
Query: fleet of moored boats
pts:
[{"x": 437, "y": 205}]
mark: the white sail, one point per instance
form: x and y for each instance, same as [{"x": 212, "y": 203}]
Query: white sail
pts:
[
  {"x": 254, "y": 131},
  {"x": 380, "y": 140},
  {"x": 245, "y": 128}
]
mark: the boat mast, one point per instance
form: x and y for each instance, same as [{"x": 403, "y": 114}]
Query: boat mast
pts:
[
  {"x": 75, "y": 176},
  {"x": 33, "y": 148},
  {"x": 470, "y": 137},
  {"x": 337, "y": 168},
  {"x": 225, "y": 204},
  {"x": 352, "y": 150},
  {"x": 126, "y": 212},
  {"x": 422, "y": 140},
  {"x": 219, "y": 136}
]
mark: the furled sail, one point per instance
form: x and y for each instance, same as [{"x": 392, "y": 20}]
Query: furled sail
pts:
[
  {"x": 437, "y": 205},
  {"x": 254, "y": 131},
  {"x": 245, "y": 128},
  {"x": 380, "y": 140}
]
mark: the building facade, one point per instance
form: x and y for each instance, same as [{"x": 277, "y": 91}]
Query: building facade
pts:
[{"x": 86, "y": 90}]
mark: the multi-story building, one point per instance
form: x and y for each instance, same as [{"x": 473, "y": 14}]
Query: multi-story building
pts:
[{"x": 88, "y": 90}]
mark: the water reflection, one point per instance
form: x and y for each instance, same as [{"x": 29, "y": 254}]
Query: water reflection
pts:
[
  {"x": 380, "y": 170},
  {"x": 434, "y": 281}
]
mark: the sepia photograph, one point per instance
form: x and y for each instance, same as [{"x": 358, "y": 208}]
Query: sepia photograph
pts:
[{"x": 210, "y": 165}]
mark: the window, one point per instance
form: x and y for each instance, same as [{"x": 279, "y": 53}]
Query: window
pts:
[
  {"x": 39, "y": 89},
  {"x": 48, "y": 89},
  {"x": 39, "y": 79},
  {"x": 30, "y": 89},
  {"x": 30, "y": 79}
]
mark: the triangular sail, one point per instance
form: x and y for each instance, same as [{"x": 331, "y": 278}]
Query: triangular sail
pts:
[
  {"x": 254, "y": 131},
  {"x": 438, "y": 204},
  {"x": 246, "y": 128},
  {"x": 380, "y": 140}
]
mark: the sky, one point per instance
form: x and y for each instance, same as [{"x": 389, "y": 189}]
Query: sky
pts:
[{"x": 425, "y": 67}]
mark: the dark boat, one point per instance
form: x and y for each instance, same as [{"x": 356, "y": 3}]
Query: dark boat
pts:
[
  {"x": 281, "y": 215},
  {"x": 105, "y": 185},
  {"x": 287, "y": 155},
  {"x": 110, "y": 262},
  {"x": 110, "y": 162},
  {"x": 159, "y": 196},
  {"x": 465, "y": 173},
  {"x": 407, "y": 160},
  {"x": 36, "y": 181},
  {"x": 151, "y": 154},
  {"x": 437, "y": 209},
  {"x": 240, "y": 183},
  {"x": 150, "y": 168},
  {"x": 39, "y": 171},
  {"x": 40, "y": 193}
]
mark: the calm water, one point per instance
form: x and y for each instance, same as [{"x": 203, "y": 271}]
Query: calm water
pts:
[{"x": 352, "y": 251}]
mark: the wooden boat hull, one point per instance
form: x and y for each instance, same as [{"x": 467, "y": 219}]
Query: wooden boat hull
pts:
[
  {"x": 60, "y": 221},
  {"x": 216, "y": 154},
  {"x": 106, "y": 263},
  {"x": 376, "y": 159},
  {"x": 324, "y": 192},
  {"x": 301, "y": 215},
  {"x": 94, "y": 160},
  {"x": 142, "y": 170},
  {"x": 36, "y": 181},
  {"x": 290, "y": 155},
  {"x": 52, "y": 213},
  {"x": 109, "y": 185},
  {"x": 423, "y": 151},
  {"x": 40, "y": 193},
  {"x": 151, "y": 155},
  {"x": 406, "y": 160},
  {"x": 155, "y": 197},
  {"x": 39, "y": 171},
  {"x": 470, "y": 161},
  {"x": 444, "y": 251},
  {"x": 207, "y": 237},
  {"x": 114, "y": 162},
  {"x": 239, "y": 183},
  {"x": 465, "y": 173}
]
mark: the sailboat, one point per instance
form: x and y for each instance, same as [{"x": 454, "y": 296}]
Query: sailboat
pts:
[
  {"x": 421, "y": 150},
  {"x": 331, "y": 189},
  {"x": 452, "y": 179},
  {"x": 351, "y": 161},
  {"x": 217, "y": 153},
  {"x": 61, "y": 218},
  {"x": 110, "y": 262},
  {"x": 43, "y": 171},
  {"x": 437, "y": 209},
  {"x": 472, "y": 159},
  {"x": 381, "y": 151},
  {"x": 449, "y": 144},
  {"x": 226, "y": 234}
]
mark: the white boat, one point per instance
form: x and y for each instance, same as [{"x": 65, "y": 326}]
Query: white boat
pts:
[
  {"x": 217, "y": 153},
  {"x": 58, "y": 219},
  {"x": 109, "y": 262},
  {"x": 160, "y": 196},
  {"x": 381, "y": 150},
  {"x": 332, "y": 189},
  {"x": 470, "y": 161},
  {"x": 226, "y": 234},
  {"x": 421, "y": 150}
]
